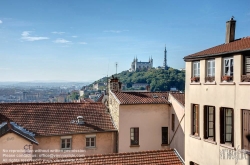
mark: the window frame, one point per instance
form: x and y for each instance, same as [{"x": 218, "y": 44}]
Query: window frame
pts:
[
  {"x": 90, "y": 137},
  {"x": 195, "y": 127},
  {"x": 229, "y": 67},
  {"x": 135, "y": 134},
  {"x": 224, "y": 124},
  {"x": 196, "y": 67},
  {"x": 210, "y": 66},
  {"x": 64, "y": 140},
  {"x": 207, "y": 121},
  {"x": 245, "y": 64},
  {"x": 164, "y": 131}
]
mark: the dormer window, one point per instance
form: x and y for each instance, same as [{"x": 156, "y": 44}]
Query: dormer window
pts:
[{"x": 228, "y": 69}]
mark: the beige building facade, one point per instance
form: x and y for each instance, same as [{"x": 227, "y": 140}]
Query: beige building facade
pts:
[
  {"x": 58, "y": 130},
  {"x": 144, "y": 121},
  {"x": 217, "y": 106}
]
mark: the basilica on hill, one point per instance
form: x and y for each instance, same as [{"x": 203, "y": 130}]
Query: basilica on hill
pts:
[{"x": 135, "y": 65}]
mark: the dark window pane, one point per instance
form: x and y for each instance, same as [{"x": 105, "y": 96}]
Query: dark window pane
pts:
[{"x": 164, "y": 135}]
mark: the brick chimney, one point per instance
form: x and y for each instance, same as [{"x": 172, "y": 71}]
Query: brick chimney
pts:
[{"x": 230, "y": 30}]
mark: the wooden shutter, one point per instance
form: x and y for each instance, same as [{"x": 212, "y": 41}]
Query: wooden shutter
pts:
[
  {"x": 247, "y": 65},
  {"x": 197, "y": 119},
  {"x": 222, "y": 131},
  {"x": 245, "y": 127},
  {"x": 205, "y": 123},
  {"x": 214, "y": 122},
  {"x": 232, "y": 128}
]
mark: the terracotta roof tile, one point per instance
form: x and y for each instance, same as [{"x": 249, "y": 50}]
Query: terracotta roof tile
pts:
[
  {"x": 156, "y": 157},
  {"x": 142, "y": 97},
  {"x": 235, "y": 46},
  {"x": 180, "y": 97},
  {"x": 56, "y": 118}
]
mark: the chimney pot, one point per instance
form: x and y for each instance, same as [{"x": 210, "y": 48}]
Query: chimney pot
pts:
[
  {"x": 80, "y": 120},
  {"x": 230, "y": 30}
]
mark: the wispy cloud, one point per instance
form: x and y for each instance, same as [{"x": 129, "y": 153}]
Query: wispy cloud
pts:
[
  {"x": 115, "y": 31},
  {"x": 61, "y": 41},
  {"x": 26, "y": 36},
  {"x": 74, "y": 36},
  {"x": 58, "y": 32},
  {"x": 82, "y": 43},
  {"x": 1, "y": 21}
]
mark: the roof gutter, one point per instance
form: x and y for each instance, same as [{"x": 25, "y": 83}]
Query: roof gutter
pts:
[
  {"x": 90, "y": 132},
  {"x": 179, "y": 156},
  {"x": 212, "y": 55}
]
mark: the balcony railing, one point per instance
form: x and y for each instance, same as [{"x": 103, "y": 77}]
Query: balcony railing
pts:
[
  {"x": 209, "y": 79},
  {"x": 245, "y": 78}
]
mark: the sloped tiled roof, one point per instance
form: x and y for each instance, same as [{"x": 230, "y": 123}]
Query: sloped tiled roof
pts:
[
  {"x": 239, "y": 45},
  {"x": 46, "y": 119},
  {"x": 180, "y": 97},
  {"x": 156, "y": 157},
  {"x": 142, "y": 97},
  {"x": 13, "y": 127}
]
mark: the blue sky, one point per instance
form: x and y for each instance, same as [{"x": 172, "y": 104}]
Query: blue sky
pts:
[{"x": 81, "y": 40}]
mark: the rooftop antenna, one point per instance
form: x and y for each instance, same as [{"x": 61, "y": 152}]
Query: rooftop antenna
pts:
[
  {"x": 116, "y": 65},
  {"x": 108, "y": 79}
]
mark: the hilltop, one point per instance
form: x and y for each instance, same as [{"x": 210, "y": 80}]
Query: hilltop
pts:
[{"x": 159, "y": 79}]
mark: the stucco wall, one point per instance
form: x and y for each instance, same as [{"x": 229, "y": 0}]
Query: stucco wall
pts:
[
  {"x": 150, "y": 118},
  {"x": 12, "y": 141},
  {"x": 219, "y": 95},
  {"x": 105, "y": 143},
  {"x": 178, "y": 141}
]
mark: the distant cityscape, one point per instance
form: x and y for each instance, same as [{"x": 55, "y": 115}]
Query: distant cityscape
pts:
[{"x": 28, "y": 92}]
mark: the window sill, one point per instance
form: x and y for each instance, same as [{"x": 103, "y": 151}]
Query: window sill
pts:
[
  {"x": 196, "y": 137},
  {"x": 90, "y": 148},
  {"x": 134, "y": 145},
  {"x": 227, "y": 146},
  {"x": 210, "y": 141},
  {"x": 66, "y": 149},
  {"x": 227, "y": 83},
  {"x": 244, "y": 83},
  {"x": 164, "y": 145},
  {"x": 195, "y": 83},
  {"x": 210, "y": 83}
]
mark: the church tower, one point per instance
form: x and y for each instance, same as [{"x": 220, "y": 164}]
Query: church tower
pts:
[{"x": 165, "y": 59}]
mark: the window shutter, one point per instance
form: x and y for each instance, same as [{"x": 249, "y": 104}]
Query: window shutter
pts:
[
  {"x": 248, "y": 123},
  {"x": 205, "y": 123},
  {"x": 214, "y": 122},
  {"x": 232, "y": 128},
  {"x": 247, "y": 65},
  {"x": 197, "y": 119},
  {"x": 245, "y": 125},
  {"x": 192, "y": 119},
  {"x": 222, "y": 132}
]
